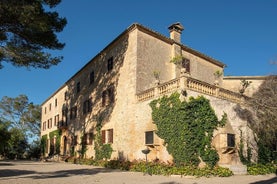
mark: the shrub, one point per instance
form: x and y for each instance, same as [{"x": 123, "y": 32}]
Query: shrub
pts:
[{"x": 261, "y": 169}]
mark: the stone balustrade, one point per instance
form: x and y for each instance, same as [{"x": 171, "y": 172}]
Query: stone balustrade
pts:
[
  {"x": 189, "y": 83},
  {"x": 169, "y": 86}
]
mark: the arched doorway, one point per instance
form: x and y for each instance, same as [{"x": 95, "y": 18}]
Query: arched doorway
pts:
[{"x": 64, "y": 145}]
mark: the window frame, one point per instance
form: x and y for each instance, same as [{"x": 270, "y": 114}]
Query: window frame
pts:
[
  {"x": 146, "y": 138},
  {"x": 110, "y": 63},
  {"x": 231, "y": 140}
]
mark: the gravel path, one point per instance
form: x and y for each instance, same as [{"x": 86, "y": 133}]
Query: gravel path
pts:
[{"x": 28, "y": 172}]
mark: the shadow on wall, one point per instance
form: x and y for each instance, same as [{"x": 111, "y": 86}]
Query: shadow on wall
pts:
[{"x": 105, "y": 66}]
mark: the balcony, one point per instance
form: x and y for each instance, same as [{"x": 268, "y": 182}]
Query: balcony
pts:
[
  {"x": 188, "y": 83},
  {"x": 62, "y": 125}
]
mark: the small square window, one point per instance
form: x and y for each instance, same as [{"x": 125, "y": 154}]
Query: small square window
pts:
[
  {"x": 149, "y": 137},
  {"x": 231, "y": 140}
]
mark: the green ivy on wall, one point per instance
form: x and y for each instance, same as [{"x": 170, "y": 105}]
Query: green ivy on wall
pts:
[
  {"x": 43, "y": 144},
  {"x": 102, "y": 151},
  {"x": 187, "y": 128},
  {"x": 57, "y": 134}
]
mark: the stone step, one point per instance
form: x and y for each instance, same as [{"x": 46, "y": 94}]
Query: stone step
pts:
[{"x": 237, "y": 169}]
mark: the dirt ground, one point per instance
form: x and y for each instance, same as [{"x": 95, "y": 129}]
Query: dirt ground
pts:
[{"x": 28, "y": 172}]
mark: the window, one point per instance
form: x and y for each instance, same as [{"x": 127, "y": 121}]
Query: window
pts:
[
  {"x": 56, "y": 120},
  {"x": 49, "y": 123},
  {"x": 66, "y": 95},
  {"x": 45, "y": 110},
  {"x": 64, "y": 116},
  {"x": 78, "y": 87},
  {"x": 56, "y": 102},
  {"x": 110, "y": 64},
  {"x": 107, "y": 136},
  {"x": 230, "y": 140},
  {"x": 149, "y": 137},
  {"x": 50, "y": 107},
  {"x": 186, "y": 64},
  {"x": 73, "y": 112},
  {"x": 75, "y": 140},
  {"x": 87, "y": 106},
  {"x": 44, "y": 125},
  {"x": 87, "y": 138},
  {"x": 108, "y": 96},
  {"x": 91, "y": 77}
]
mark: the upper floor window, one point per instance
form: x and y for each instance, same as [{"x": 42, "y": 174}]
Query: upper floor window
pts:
[
  {"x": 44, "y": 125},
  {"x": 56, "y": 102},
  {"x": 91, "y": 77},
  {"x": 66, "y": 95},
  {"x": 108, "y": 96},
  {"x": 78, "y": 87},
  {"x": 49, "y": 123},
  {"x": 110, "y": 63},
  {"x": 87, "y": 106},
  {"x": 73, "y": 112},
  {"x": 75, "y": 140},
  {"x": 45, "y": 110},
  {"x": 186, "y": 64},
  {"x": 107, "y": 136},
  {"x": 50, "y": 107},
  {"x": 64, "y": 116},
  {"x": 56, "y": 120}
]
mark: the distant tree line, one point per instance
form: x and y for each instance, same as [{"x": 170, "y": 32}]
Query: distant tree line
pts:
[{"x": 19, "y": 128}]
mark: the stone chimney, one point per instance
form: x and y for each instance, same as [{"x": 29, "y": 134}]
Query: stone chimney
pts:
[{"x": 176, "y": 31}]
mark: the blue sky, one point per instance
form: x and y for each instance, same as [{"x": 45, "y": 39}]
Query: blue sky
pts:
[{"x": 240, "y": 33}]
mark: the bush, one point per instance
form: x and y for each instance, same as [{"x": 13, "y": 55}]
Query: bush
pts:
[{"x": 261, "y": 169}]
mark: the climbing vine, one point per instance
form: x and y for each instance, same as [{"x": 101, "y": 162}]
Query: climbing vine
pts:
[
  {"x": 102, "y": 151},
  {"x": 43, "y": 144},
  {"x": 187, "y": 128},
  {"x": 57, "y": 134}
]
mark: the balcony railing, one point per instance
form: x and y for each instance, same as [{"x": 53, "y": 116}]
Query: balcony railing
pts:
[
  {"x": 189, "y": 83},
  {"x": 62, "y": 125}
]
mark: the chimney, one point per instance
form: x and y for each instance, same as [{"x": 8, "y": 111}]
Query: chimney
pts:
[{"x": 175, "y": 31}]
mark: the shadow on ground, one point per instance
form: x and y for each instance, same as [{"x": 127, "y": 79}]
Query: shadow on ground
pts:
[{"x": 270, "y": 181}]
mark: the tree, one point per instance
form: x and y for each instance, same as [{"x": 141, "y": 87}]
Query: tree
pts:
[
  {"x": 4, "y": 137},
  {"x": 27, "y": 31},
  {"x": 264, "y": 105},
  {"x": 21, "y": 114}
]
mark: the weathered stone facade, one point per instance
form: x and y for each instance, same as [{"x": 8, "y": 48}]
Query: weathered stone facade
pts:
[{"x": 117, "y": 86}]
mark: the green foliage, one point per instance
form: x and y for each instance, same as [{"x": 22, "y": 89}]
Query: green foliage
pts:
[
  {"x": 187, "y": 128},
  {"x": 261, "y": 169},
  {"x": 5, "y": 136},
  {"x": 165, "y": 169},
  {"x": 263, "y": 104},
  {"x": 43, "y": 142},
  {"x": 265, "y": 153},
  {"x": 21, "y": 114},
  {"x": 17, "y": 144},
  {"x": 102, "y": 151},
  {"x": 117, "y": 164},
  {"x": 27, "y": 31},
  {"x": 177, "y": 60},
  {"x": 57, "y": 134}
]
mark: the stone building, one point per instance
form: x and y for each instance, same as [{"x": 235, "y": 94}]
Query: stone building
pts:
[{"x": 116, "y": 86}]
